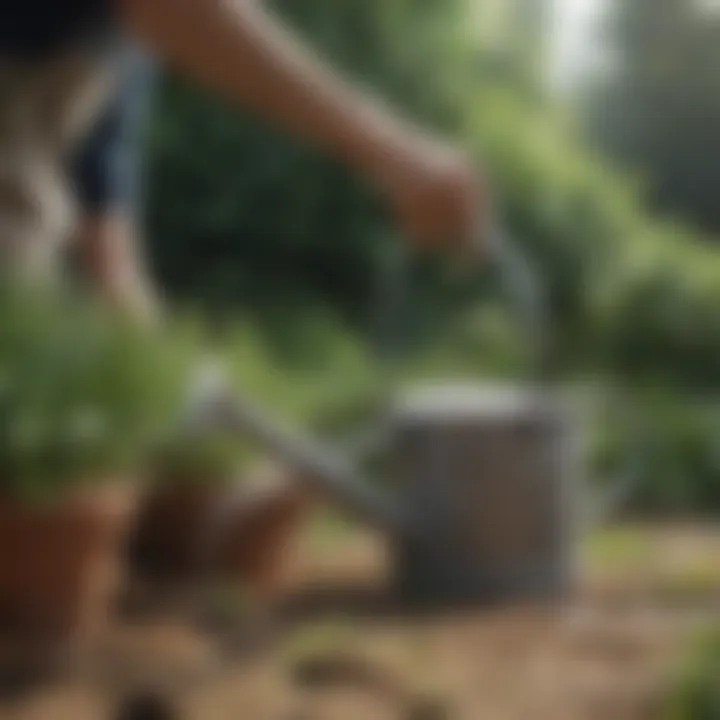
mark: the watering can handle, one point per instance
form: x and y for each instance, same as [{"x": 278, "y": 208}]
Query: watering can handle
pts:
[
  {"x": 523, "y": 286},
  {"x": 523, "y": 289},
  {"x": 332, "y": 471}
]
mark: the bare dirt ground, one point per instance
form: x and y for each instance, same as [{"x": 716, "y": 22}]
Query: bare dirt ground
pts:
[{"x": 336, "y": 648}]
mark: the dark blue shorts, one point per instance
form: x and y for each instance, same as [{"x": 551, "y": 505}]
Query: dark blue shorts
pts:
[{"x": 107, "y": 168}]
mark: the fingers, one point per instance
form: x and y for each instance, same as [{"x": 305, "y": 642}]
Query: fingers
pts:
[
  {"x": 448, "y": 206},
  {"x": 437, "y": 192}
]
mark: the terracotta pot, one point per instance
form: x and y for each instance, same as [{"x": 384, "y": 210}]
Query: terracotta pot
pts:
[
  {"x": 220, "y": 530},
  {"x": 166, "y": 540},
  {"x": 60, "y": 564},
  {"x": 262, "y": 533}
]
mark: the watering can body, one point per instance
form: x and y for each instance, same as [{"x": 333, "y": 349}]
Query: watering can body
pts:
[{"x": 490, "y": 474}]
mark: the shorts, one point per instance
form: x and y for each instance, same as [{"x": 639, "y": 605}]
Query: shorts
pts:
[{"x": 106, "y": 169}]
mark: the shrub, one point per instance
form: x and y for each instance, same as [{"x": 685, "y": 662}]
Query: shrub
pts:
[
  {"x": 695, "y": 692},
  {"x": 83, "y": 393},
  {"x": 664, "y": 447}
]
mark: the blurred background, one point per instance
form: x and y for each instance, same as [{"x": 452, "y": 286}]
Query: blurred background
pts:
[{"x": 597, "y": 122}]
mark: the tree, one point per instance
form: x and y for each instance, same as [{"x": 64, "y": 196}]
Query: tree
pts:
[{"x": 657, "y": 109}]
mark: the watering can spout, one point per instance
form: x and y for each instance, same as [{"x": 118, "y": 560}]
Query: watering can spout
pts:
[{"x": 328, "y": 470}]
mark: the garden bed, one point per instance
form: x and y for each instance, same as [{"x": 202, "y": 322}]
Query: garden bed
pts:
[{"x": 338, "y": 649}]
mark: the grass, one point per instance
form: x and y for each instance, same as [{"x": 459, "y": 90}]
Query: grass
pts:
[
  {"x": 619, "y": 548},
  {"x": 328, "y": 528},
  {"x": 694, "y": 692},
  {"x": 321, "y": 636},
  {"x": 680, "y": 569},
  {"x": 697, "y": 580}
]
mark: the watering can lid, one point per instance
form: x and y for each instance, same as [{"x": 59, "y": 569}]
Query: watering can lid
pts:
[{"x": 457, "y": 401}]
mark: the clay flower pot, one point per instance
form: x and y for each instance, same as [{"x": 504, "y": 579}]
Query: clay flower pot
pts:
[
  {"x": 257, "y": 538},
  {"x": 172, "y": 521},
  {"x": 220, "y": 531},
  {"x": 85, "y": 393},
  {"x": 59, "y": 564}
]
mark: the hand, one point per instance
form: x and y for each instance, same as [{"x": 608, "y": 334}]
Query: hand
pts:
[
  {"x": 108, "y": 246},
  {"x": 436, "y": 191}
]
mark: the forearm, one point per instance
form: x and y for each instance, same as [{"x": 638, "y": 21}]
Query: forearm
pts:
[
  {"x": 113, "y": 264},
  {"x": 236, "y": 48}
]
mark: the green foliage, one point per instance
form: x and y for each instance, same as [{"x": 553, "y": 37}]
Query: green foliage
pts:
[
  {"x": 327, "y": 382},
  {"x": 83, "y": 393},
  {"x": 695, "y": 693},
  {"x": 619, "y": 547},
  {"x": 665, "y": 446},
  {"x": 206, "y": 457},
  {"x": 660, "y": 313},
  {"x": 629, "y": 294}
]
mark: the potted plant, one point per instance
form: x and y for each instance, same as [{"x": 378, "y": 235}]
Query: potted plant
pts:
[
  {"x": 189, "y": 475},
  {"x": 83, "y": 397},
  {"x": 216, "y": 513}
]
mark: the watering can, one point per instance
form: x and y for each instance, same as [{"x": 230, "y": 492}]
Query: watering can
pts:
[{"x": 485, "y": 504}]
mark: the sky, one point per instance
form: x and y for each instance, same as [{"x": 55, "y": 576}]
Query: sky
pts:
[{"x": 573, "y": 48}]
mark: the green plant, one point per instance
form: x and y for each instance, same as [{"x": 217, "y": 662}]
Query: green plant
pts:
[
  {"x": 626, "y": 547},
  {"x": 201, "y": 458},
  {"x": 695, "y": 693},
  {"x": 84, "y": 393},
  {"x": 663, "y": 444}
]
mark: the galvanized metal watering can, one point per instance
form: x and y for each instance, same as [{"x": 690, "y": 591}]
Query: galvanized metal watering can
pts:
[{"x": 485, "y": 504}]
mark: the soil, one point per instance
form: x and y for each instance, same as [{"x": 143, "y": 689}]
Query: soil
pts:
[{"x": 334, "y": 645}]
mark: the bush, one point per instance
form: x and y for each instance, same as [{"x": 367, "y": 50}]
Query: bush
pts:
[
  {"x": 83, "y": 393},
  {"x": 695, "y": 693},
  {"x": 663, "y": 446},
  {"x": 327, "y": 381}
]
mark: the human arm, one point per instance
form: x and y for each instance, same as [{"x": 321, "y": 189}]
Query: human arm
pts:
[{"x": 237, "y": 48}]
